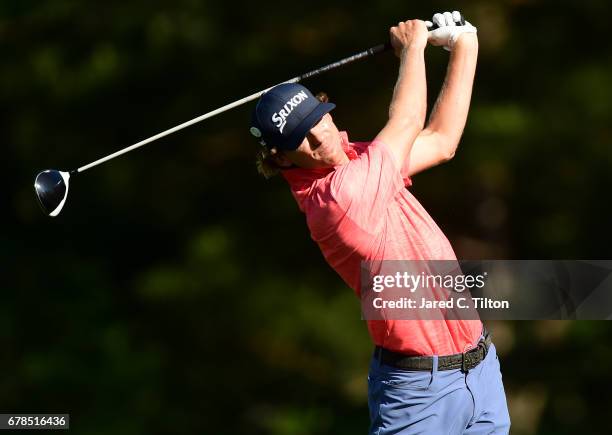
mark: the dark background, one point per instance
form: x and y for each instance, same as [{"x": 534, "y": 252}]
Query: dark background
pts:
[{"x": 179, "y": 293}]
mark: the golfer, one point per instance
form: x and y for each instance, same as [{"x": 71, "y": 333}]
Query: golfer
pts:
[{"x": 426, "y": 376}]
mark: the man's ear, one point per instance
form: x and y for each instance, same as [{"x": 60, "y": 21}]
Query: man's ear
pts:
[{"x": 280, "y": 159}]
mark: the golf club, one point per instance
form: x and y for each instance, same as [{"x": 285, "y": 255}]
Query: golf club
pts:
[{"x": 51, "y": 186}]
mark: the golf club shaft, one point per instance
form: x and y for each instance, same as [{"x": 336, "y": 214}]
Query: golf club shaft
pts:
[
  {"x": 366, "y": 53},
  {"x": 369, "y": 52}
]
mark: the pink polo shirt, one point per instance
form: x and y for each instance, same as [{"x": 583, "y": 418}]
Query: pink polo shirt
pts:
[{"x": 362, "y": 211}]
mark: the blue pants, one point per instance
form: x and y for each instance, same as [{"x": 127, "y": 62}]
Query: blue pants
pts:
[{"x": 438, "y": 402}]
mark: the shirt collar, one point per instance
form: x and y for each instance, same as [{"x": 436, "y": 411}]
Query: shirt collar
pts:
[{"x": 347, "y": 146}]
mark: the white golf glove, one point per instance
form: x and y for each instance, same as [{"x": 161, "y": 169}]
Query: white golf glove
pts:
[{"x": 449, "y": 29}]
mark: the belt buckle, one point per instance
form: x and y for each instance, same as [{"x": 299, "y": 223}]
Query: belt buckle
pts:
[{"x": 482, "y": 347}]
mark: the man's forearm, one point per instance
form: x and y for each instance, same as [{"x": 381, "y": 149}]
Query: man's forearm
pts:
[
  {"x": 408, "y": 107},
  {"x": 409, "y": 102},
  {"x": 450, "y": 112}
]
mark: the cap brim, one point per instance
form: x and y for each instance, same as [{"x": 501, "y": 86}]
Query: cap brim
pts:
[{"x": 300, "y": 132}]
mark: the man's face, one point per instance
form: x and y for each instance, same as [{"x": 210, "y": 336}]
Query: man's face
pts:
[{"x": 321, "y": 148}]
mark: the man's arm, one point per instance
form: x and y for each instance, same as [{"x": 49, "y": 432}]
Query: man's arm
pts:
[
  {"x": 409, "y": 103},
  {"x": 438, "y": 142}
]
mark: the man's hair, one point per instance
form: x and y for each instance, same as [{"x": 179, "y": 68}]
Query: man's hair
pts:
[{"x": 264, "y": 159}]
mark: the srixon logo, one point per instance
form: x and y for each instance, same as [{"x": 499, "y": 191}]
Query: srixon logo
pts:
[{"x": 280, "y": 118}]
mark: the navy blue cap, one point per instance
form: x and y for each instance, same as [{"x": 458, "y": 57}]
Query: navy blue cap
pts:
[{"x": 285, "y": 114}]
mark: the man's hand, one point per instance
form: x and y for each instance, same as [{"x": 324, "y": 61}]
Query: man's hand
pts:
[
  {"x": 408, "y": 34},
  {"x": 449, "y": 29}
]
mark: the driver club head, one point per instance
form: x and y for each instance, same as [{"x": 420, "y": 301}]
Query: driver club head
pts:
[{"x": 51, "y": 187}]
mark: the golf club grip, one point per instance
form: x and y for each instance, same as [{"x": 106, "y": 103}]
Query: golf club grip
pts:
[
  {"x": 369, "y": 52},
  {"x": 350, "y": 59}
]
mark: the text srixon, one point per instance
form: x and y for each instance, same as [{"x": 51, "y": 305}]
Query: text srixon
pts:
[{"x": 280, "y": 118}]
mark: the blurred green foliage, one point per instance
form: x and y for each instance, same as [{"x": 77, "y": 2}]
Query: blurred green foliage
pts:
[{"x": 180, "y": 293}]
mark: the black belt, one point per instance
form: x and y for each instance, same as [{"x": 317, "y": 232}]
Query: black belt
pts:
[{"x": 464, "y": 361}]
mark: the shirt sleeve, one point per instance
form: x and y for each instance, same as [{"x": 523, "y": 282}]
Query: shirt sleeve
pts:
[{"x": 366, "y": 186}]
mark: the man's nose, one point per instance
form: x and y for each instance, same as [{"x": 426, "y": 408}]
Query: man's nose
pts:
[{"x": 318, "y": 130}]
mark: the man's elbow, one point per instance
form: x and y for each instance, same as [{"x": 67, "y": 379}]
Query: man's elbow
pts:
[
  {"x": 448, "y": 154},
  {"x": 447, "y": 146}
]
